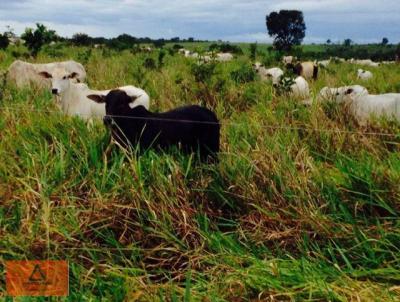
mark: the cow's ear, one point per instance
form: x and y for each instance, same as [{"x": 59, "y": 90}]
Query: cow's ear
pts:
[
  {"x": 133, "y": 99},
  {"x": 98, "y": 98},
  {"x": 73, "y": 75},
  {"x": 45, "y": 74}
]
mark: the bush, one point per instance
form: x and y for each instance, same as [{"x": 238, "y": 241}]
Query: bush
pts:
[
  {"x": 226, "y": 47},
  {"x": 54, "y": 51},
  {"x": 149, "y": 63},
  {"x": 35, "y": 39},
  {"x": 253, "y": 51},
  {"x": 204, "y": 72},
  {"x": 84, "y": 56},
  {"x": 244, "y": 74},
  {"x": 161, "y": 55},
  {"x": 81, "y": 39},
  {"x": 4, "y": 42},
  {"x": 176, "y": 47}
]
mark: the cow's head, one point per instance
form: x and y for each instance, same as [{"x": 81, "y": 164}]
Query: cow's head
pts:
[{"x": 60, "y": 80}]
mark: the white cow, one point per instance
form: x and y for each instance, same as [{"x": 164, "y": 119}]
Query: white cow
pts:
[
  {"x": 224, "y": 57},
  {"x": 300, "y": 88},
  {"x": 271, "y": 74},
  {"x": 337, "y": 94},
  {"x": 364, "y": 74},
  {"x": 288, "y": 60},
  {"x": 297, "y": 88},
  {"x": 308, "y": 70},
  {"x": 24, "y": 74},
  {"x": 367, "y": 62},
  {"x": 324, "y": 63},
  {"x": 363, "y": 105},
  {"x": 74, "y": 101}
]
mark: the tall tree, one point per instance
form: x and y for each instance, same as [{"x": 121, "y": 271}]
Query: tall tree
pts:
[
  {"x": 287, "y": 27},
  {"x": 385, "y": 41}
]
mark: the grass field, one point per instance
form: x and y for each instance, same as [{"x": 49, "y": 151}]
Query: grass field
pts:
[{"x": 302, "y": 206}]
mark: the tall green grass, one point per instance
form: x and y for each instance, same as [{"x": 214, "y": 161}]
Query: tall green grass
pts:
[{"x": 301, "y": 206}]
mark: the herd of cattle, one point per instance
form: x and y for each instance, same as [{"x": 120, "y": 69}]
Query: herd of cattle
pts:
[
  {"x": 360, "y": 103},
  {"x": 125, "y": 110}
]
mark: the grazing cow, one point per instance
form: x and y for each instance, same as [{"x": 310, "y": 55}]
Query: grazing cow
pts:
[
  {"x": 337, "y": 94},
  {"x": 73, "y": 97},
  {"x": 271, "y": 74},
  {"x": 364, "y": 74},
  {"x": 191, "y": 127},
  {"x": 24, "y": 74},
  {"x": 367, "y": 62},
  {"x": 224, "y": 57},
  {"x": 363, "y": 105},
  {"x": 308, "y": 70},
  {"x": 324, "y": 63},
  {"x": 288, "y": 60}
]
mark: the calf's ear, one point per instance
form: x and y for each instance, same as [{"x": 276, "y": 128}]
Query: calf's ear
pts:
[
  {"x": 133, "y": 99},
  {"x": 97, "y": 98},
  {"x": 45, "y": 74},
  {"x": 73, "y": 75}
]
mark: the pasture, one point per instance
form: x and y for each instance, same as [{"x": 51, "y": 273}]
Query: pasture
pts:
[{"x": 303, "y": 204}]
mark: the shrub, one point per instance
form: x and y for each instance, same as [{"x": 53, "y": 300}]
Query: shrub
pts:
[
  {"x": 203, "y": 73},
  {"x": 244, "y": 74},
  {"x": 4, "y": 42},
  {"x": 161, "y": 55},
  {"x": 81, "y": 39},
  {"x": 226, "y": 47},
  {"x": 149, "y": 63},
  {"x": 35, "y": 39},
  {"x": 253, "y": 51}
]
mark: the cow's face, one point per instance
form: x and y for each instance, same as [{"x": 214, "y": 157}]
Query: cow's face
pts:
[
  {"x": 257, "y": 66},
  {"x": 60, "y": 80}
]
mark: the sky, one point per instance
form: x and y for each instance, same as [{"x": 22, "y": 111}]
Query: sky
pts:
[{"x": 363, "y": 21}]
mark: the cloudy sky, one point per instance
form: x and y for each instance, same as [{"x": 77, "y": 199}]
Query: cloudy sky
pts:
[{"x": 233, "y": 20}]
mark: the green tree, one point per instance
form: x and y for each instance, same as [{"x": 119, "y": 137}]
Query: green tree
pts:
[
  {"x": 35, "y": 39},
  {"x": 287, "y": 27},
  {"x": 81, "y": 39},
  {"x": 348, "y": 42},
  {"x": 385, "y": 41}
]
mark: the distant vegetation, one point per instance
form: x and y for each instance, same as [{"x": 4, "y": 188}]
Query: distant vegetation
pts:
[{"x": 286, "y": 42}]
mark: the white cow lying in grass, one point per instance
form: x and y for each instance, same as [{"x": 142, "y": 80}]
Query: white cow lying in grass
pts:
[
  {"x": 297, "y": 88},
  {"x": 24, "y": 74},
  {"x": 73, "y": 96},
  {"x": 224, "y": 57},
  {"x": 367, "y": 62},
  {"x": 364, "y": 105},
  {"x": 271, "y": 74},
  {"x": 364, "y": 74}
]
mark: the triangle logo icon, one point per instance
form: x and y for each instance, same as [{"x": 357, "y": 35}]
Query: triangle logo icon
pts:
[{"x": 37, "y": 275}]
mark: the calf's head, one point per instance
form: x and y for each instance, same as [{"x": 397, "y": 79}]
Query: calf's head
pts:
[
  {"x": 60, "y": 80},
  {"x": 118, "y": 103}
]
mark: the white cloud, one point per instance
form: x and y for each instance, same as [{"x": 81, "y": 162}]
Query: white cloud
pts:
[{"x": 361, "y": 20}]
